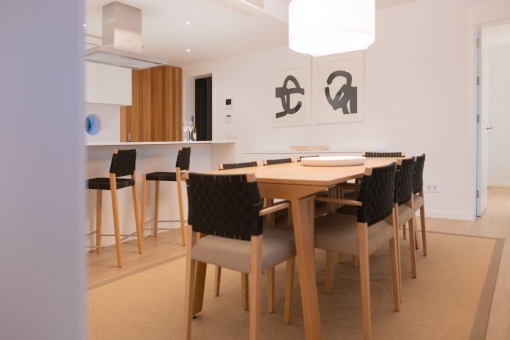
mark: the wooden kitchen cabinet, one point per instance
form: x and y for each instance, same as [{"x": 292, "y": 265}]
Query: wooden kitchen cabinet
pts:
[{"x": 156, "y": 111}]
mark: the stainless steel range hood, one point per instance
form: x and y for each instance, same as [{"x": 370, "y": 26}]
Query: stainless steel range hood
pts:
[{"x": 122, "y": 40}]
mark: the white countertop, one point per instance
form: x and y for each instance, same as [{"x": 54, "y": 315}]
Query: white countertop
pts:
[
  {"x": 299, "y": 152},
  {"x": 159, "y": 143}
]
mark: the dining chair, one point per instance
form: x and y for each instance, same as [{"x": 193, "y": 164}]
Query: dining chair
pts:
[
  {"x": 217, "y": 271},
  {"x": 383, "y": 154},
  {"x": 269, "y": 221},
  {"x": 181, "y": 167},
  {"x": 226, "y": 166},
  {"x": 226, "y": 211},
  {"x": 123, "y": 164},
  {"x": 419, "y": 199},
  {"x": 277, "y": 161},
  {"x": 404, "y": 204},
  {"x": 270, "y": 201},
  {"x": 363, "y": 234}
]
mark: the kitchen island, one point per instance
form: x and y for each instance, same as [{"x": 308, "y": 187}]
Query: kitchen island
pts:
[{"x": 151, "y": 157}]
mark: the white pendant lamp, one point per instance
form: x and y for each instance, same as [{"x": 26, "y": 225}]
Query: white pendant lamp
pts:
[{"x": 321, "y": 27}]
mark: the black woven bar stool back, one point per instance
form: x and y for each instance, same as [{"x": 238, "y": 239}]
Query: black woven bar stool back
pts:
[
  {"x": 123, "y": 164},
  {"x": 182, "y": 165},
  {"x": 183, "y": 159}
]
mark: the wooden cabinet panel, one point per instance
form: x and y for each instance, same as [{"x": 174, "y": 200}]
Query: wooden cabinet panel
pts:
[{"x": 156, "y": 111}]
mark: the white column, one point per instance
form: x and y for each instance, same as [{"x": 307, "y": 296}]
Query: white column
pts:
[{"x": 42, "y": 264}]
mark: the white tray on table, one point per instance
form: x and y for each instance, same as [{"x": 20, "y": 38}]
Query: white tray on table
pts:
[{"x": 333, "y": 161}]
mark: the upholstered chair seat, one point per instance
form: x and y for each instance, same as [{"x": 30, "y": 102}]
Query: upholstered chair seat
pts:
[
  {"x": 277, "y": 247},
  {"x": 335, "y": 231},
  {"x": 102, "y": 183}
]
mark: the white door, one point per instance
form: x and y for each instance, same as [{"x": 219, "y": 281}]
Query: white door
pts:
[{"x": 482, "y": 132}]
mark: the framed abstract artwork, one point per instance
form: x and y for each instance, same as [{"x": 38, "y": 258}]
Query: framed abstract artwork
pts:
[
  {"x": 291, "y": 93},
  {"x": 339, "y": 88}
]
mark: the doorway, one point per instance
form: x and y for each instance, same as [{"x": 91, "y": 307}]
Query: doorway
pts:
[
  {"x": 493, "y": 106},
  {"x": 203, "y": 108}
]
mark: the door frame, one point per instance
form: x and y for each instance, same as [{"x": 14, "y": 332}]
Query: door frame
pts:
[{"x": 478, "y": 209}]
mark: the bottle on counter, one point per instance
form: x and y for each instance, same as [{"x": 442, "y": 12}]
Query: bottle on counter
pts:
[{"x": 193, "y": 129}]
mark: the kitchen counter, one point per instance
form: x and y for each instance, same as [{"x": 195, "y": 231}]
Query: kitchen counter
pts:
[{"x": 185, "y": 144}]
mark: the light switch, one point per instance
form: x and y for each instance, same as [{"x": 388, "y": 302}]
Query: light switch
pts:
[
  {"x": 228, "y": 104},
  {"x": 229, "y": 118}
]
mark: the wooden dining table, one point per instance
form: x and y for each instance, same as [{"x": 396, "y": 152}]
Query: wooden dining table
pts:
[{"x": 298, "y": 184}]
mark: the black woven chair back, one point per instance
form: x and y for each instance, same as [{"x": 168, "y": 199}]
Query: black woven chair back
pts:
[
  {"x": 239, "y": 165},
  {"x": 383, "y": 154},
  {"x": 404, "y": 181},
  {"x": 224, "y": 205},
  {"x": 418, "y": 174},
  {"x": 183, "y": 158},
  {"x": 278, "y": 161},
  {"x": 376, "y": 195},
  {"x": 123, "y": 163}
]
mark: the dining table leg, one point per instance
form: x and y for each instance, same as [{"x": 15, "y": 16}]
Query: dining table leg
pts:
[{"x": 303, "y": 216}]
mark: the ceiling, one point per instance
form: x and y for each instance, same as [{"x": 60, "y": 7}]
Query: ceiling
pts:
[{"x": 215, "y": 31}]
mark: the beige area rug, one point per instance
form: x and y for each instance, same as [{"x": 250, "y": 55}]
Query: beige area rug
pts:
[{"x": 450, "y": 298}]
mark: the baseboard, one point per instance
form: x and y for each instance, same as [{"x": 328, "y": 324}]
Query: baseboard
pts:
[
  {"x": 448, "y": 215},
  {"x": 500, "y": 184}
]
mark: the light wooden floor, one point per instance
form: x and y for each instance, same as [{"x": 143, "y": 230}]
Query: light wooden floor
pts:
[
  {"x": 102, "y": 268},
  {"x": 494, "y": 223}
]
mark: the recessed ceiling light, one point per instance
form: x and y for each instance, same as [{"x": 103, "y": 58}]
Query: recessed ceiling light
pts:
[
  {"x": 188, "y": 50},
  {"x": 84, "y": 25},
  {"x": 188, "y": 22}
]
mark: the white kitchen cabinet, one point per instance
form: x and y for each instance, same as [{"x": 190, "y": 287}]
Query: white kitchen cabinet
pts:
[
  {"x": 91, "y": 83},
  {"x": 106, "y": 84}
]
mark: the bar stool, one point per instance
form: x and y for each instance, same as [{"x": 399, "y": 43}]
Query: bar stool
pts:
[
  {"x": 123, "y": 164},
  {"x": 181, "y": 166}
]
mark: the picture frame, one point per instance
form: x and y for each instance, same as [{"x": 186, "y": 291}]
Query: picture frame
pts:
[
  {"x": 291, "y": 93},
  {"x": 340, "y": 88}
]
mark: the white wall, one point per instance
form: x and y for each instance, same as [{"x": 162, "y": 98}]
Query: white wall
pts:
[
  {"x": 110, "y": 123},
  {"x": 499, "y": 99},
  {"x": 42, "y": 264},
  {"x": 419, "y": 96}
]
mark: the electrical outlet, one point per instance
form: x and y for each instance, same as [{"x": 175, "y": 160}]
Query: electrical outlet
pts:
[{"x": 433, "y": 188}]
